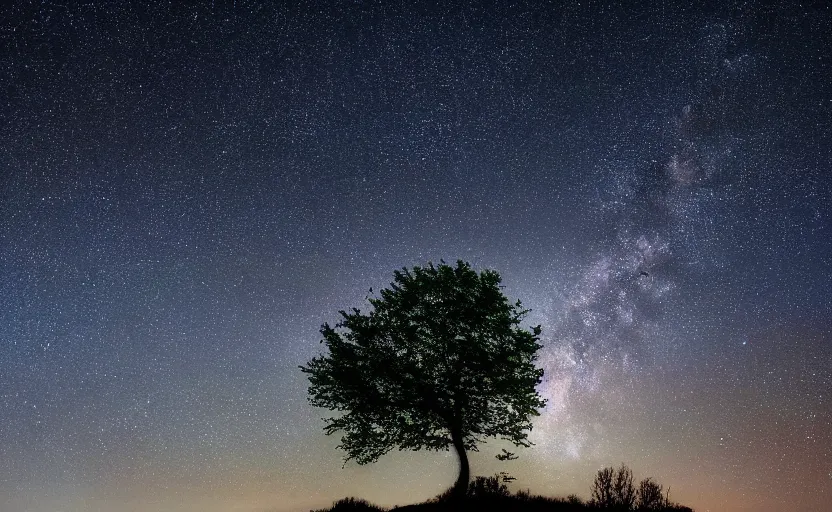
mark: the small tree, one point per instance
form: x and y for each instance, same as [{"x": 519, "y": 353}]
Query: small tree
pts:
[
  {"x": 613, "y": 489},
  {"x": 440, "y": 361},
  {"x": 624, "y": 493},
  {"x": 649, "y": 496},
  {"x": 601, "y": 492}
]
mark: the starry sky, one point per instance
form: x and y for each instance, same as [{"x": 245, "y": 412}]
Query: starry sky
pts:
[{"x": 189, "y": 190}]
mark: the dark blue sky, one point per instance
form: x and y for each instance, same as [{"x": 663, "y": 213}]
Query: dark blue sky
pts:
[{"x": 188, "y": 192}]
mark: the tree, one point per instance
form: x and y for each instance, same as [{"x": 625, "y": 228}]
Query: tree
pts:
[
  {"x": 649, "y": 496},
  {"x": 440, "y": 361},
  {"x": 601, "y": 493},
  {"x": 622, "y": 488},
  {"x": 613, "y": 489}
]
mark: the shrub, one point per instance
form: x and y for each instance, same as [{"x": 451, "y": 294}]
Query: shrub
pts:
[
  {"x": 352, "y": 505},
  {"x": 489, "y": 486},
  {"x": 574, "y": 499}
]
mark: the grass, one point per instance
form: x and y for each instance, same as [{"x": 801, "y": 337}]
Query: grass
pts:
[
  {"x": 490, "y": 494},
  {"x": 522, "y": 501}
]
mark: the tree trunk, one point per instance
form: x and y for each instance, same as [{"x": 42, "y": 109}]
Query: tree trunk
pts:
[{"x": 461, "y": 486}]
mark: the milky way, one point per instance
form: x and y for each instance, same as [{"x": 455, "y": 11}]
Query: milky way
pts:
[{"x": 661, "y": 214}]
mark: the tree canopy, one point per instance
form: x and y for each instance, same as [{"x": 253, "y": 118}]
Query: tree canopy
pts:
[{"x": 440, "y": 360}]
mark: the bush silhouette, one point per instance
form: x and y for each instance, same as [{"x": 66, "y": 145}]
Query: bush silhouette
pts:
[
  {"x": 352, "y": 505},
  {"x": 491, "y": 494},
  {"x": 490, "y": 486}
]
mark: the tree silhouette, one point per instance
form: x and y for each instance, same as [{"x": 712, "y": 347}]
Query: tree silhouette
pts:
[
  {"x": 623, "y": 491},
  {"x": 601, "y": 493},
  {"x": 440, "y": 361},
  {"x": 649, "y": 496},
  {"x": 613, "y": 489}
]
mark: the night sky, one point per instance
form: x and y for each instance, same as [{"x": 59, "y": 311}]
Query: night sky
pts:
[{"x": 188, "y": 193}]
